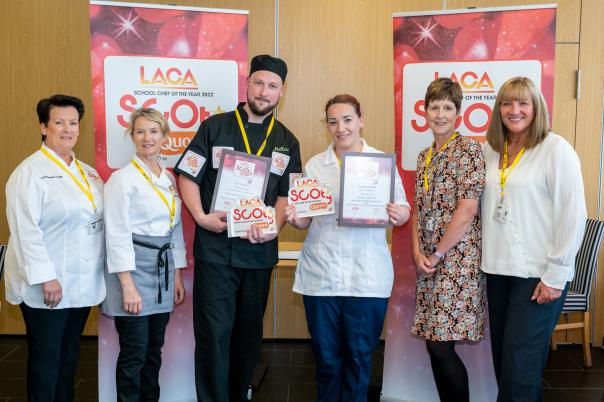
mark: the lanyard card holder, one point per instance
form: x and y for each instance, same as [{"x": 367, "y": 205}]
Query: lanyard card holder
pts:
[
  {"x": 501, "y": 212},
  {"x": 96, "y": 226}
]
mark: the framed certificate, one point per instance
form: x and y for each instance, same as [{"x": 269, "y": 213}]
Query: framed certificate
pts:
[
  {"x": 366, "y": 186},
  {"x": 240, "y": 176}
]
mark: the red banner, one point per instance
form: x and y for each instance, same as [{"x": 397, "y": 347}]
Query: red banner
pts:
[
  {"x": 188, "y": 63},
  {"x": 481, "y": 49}
]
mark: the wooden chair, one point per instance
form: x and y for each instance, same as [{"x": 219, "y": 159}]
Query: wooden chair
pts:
[{"x": 578, "y": 297}]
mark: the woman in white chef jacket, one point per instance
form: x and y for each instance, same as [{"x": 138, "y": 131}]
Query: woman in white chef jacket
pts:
[
  {"x": 145, "y": 249},
  {"x": 55, "y": 256},
  {"x": 344, "y": 273}
]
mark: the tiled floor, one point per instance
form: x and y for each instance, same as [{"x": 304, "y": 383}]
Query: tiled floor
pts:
[{"x": 290, "y": 376}]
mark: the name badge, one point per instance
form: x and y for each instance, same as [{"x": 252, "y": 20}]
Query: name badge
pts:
[
  {"x": 279, "y": 163},
  {"x": 96, "y": 226},
  {"x": 501, "y": 212},
  {"x": 430, "y": 225}
]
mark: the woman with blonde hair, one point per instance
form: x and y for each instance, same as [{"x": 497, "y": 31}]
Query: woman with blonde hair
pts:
[
  {"x": 533, "y": 217},
  {"x": 145, "y": 251}
]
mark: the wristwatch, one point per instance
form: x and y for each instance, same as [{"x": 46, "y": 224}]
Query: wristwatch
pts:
[{"x": 439, "y": 255}]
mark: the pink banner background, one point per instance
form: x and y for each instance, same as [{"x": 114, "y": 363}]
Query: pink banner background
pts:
[
  {"x": 441, "y": 40},
  {"x": 118, "y": 29}
]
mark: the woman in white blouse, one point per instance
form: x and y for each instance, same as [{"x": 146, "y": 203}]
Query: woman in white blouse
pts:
[
  {"x": 345, "y": 273},
  {"x": 145, "y": 251},
  {"x": 55, "y": 256},
  {"x": 533, "y": 217}
]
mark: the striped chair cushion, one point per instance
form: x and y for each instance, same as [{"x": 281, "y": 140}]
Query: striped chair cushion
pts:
[
  {"x": 2, "y": 252},
  {"x": 575, "y": 302},
  {"x": 586, "y": 265}
]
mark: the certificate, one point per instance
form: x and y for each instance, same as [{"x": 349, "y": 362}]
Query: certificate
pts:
[
  {"x": 240, "y": 176},
  {"x": 310, "y": 198},
  {"x": 248, "y": 213},
  {"x": 366, "y": 186}
]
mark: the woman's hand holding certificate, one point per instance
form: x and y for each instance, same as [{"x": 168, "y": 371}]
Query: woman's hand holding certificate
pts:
[
  {"x": 310, "y": 198},
  {"x": 366, "y": 188}
]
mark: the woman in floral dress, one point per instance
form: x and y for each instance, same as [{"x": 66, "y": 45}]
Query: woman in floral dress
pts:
[{"x": 446, "y": 240}]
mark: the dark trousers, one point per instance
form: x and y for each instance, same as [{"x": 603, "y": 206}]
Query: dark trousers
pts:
[
  {"x": 53, "y": 343},
  {"x": 228, "y": 308},
  {"x": 137, "y": 371},
  {"x": 344, "y": 334},
  {"x": 520, "y": 334}
]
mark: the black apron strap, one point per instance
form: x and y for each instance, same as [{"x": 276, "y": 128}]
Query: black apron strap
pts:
[{"x": 162, "y": 261}]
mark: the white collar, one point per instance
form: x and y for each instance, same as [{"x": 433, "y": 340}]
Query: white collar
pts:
[
  {"x": 59, "y": 157},
  {"x": 332, "y": 158},
  {"x": 162, "y": 180}
]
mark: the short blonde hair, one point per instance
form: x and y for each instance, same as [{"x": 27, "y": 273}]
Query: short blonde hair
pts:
[
  {"x": 519, "y": 88},
  {"x": 150, "y": 114}
]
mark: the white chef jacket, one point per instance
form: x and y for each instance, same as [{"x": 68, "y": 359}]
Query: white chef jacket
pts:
[
  {"x": 546, "y": 214},
  {"x": 49, "y": 219},
  {"x": 344, "y": 260},
  {"x": 133, "y": 206}
]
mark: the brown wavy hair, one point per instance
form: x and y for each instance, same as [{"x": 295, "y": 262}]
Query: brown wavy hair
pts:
[{"x": 444, "y": 89}]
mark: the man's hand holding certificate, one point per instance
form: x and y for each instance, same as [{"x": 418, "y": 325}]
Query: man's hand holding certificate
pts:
[
  {"x": 310, "y": 198},
  {"x": 249, "y": 212},
  {"x": 239, "y": 176}
]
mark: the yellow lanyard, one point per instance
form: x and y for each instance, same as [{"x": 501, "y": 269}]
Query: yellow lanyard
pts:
[
  {"x": 244, "y": 134},
  {"x": 171, "y": 207},
  {"x": 504, "y": 173},
  {"x": 86, "y": 190},
  {"x": 429, "y": 159}
]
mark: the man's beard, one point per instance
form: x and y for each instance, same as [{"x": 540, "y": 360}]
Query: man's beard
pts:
[{"x": 260, "y": 111}]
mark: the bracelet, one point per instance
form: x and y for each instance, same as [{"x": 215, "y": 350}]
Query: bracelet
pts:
[{"x": 439, "y": 255}]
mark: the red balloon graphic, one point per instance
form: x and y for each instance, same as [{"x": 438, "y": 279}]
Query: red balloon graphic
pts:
[
  {"x": 397, "y": 22},
  {"x": 403, "y": 54},
  {"x": 531, "y": 23},
  {"x": 217, "y": 31},
  {"x": 102, "y": 46},
  {"x": 476, "y": 41},
  {"x": 236, "y": 50},
  {"x": 454, "y": 21},
  {"x": 157, "y": 15},
  {"x": 178, "y": 38},
  {"x": 543, "y": 50},
  {"x": 94, "y": 10}
]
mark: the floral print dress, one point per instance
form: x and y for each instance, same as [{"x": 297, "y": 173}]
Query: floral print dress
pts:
[{"x": 450, "y": 305}]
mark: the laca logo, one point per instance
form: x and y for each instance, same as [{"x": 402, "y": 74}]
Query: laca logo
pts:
[{"x": 172, "y": 77}]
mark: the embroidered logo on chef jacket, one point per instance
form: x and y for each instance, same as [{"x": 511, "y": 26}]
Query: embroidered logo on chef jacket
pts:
[
  {"x": 191, "y": 163},
  {"x": 216, "y": 154},
  {"x": 51, "y": 177},
  {"x": 279, "y": 163},
  {"x": 94, "y": 177}
]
